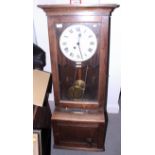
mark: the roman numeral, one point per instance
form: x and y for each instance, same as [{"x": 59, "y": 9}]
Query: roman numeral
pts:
[
  {"x": 64, "y": 43},
  {"x": 84, "y": 31},
  {"x": 65, "y": 36},
  {"x": 71, "y": 54},
  {"x": 78, "y": 29},
  {"x": 92, "y": 43},
  {"x": 66, "y": 49},
  {"x": 90, "y": 49},
  {"x": 71, "y": 31}
]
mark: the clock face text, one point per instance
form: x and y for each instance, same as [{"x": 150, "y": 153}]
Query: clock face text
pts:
[{"x": 78, "y": 43}]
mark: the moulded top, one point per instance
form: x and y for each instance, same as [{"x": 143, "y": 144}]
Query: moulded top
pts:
[
  {"x": 80, "y": 9},
  {"x": 79, "y": 6}
]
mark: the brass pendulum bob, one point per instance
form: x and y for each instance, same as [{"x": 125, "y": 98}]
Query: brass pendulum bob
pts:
[{"x": 76, "y": 91}]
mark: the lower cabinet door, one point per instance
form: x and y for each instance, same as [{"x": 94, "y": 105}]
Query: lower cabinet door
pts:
[{"x": 79, "y": 135}]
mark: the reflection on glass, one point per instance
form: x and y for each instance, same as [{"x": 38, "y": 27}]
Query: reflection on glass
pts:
[{"x": 78, "y": 84}]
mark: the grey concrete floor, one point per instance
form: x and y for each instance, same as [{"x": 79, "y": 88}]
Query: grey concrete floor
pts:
[{"x": 112, "y": 142}]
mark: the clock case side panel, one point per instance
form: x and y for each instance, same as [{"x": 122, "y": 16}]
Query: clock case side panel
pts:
[
  {"x": 104, "y": 62},
  {"x": 54, "y": 58}
]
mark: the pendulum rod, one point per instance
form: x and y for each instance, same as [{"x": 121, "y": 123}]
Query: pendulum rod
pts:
[{"x": 85, "y": 80}]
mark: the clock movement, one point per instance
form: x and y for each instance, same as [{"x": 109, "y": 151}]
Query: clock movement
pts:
[{"x": 79, "y": 49}]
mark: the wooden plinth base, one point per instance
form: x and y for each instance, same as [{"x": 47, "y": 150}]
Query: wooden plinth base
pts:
[{"x": 81, "y": 131}]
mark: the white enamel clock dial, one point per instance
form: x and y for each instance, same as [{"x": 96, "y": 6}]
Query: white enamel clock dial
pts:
[{"x": 78, "y": 43}]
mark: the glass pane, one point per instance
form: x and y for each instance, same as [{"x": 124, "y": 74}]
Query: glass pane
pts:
[
  {"x": 78, "y": 81},
  {"x": 79, "y": 84}
]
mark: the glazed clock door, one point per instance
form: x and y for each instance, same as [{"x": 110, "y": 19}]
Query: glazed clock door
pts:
[{"x": 76, "y": 61}]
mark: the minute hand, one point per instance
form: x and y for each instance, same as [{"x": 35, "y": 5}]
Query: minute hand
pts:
[{"x": 78, "y": 43}]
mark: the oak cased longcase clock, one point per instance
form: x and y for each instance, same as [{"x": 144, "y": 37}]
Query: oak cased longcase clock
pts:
[{"x": 79, "y": 49}]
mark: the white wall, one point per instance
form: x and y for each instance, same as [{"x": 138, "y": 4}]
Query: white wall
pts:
[{"x": 114, "y": 85}]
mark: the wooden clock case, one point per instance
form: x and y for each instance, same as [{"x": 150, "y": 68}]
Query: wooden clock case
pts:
[{"x": 79, "y": 124}]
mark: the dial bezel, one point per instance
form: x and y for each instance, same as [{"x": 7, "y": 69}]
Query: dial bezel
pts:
[{"x": 82, "y": 45}]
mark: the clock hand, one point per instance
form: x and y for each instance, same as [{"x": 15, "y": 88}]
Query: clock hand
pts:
[
  {"x": 78, "y": 43},
  {"x": 80, "y": 50}
]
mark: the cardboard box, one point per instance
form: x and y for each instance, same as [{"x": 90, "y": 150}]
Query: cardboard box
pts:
[{"x": 40, "y": 85}]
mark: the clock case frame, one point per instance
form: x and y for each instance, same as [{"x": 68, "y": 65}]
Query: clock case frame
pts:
[
  {"x": 79, "y": 14},
  {"x": 60, "y": 119}
]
